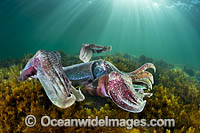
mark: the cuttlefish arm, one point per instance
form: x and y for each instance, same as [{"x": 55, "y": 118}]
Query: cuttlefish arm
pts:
[
  {"x": 48, "y": 69},
  {"x": 88, "y": 49},
  {"x": 141, "y": 76}
]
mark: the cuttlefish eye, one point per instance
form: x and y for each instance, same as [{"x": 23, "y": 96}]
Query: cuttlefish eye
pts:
[{"x": 98, "y": 70}]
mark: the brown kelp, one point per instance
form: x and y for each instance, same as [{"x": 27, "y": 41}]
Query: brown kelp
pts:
[{"x": 176, "y": 96}]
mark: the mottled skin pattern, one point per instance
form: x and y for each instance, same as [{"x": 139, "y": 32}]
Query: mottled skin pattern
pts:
[
  {"x": 123, "y": 94},
  {"x": 98, "y": 77},
  {"x": 52, "y": 77}
]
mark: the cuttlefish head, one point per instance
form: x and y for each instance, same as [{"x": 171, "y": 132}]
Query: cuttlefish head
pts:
[
  {"x": 48, "y": 69},
  {"x": 120, "y": 90}
]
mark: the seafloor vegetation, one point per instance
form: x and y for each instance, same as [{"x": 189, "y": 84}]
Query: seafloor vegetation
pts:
[{"x": 176, "y": 96}]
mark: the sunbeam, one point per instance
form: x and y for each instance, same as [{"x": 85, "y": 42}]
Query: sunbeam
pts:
[{"x": 150, "y": 27}]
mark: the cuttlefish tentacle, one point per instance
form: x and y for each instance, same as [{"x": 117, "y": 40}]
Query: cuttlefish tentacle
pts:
[
  {"x": 145, "y": 81},
  {"x": 143, "y": 68},
  {"x": 88, "y": 49},
  {"x": 143, "y": 75}
]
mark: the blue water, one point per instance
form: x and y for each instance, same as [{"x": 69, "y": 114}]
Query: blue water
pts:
[
  {"x": 167, "y": 29},
  {"x": 198, "y": 79}
]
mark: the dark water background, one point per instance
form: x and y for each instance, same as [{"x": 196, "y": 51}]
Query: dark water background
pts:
[{"x": 168, "y": 29}]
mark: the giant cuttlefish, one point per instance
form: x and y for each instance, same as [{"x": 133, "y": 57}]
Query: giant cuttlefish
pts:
[{"x": 99, "y": 77}]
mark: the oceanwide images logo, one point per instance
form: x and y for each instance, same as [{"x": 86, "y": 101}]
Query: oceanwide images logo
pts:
[{"x": 46, "y": 121}]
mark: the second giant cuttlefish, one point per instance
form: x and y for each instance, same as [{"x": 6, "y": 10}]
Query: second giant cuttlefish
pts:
[{"x": 99, "y": 77}]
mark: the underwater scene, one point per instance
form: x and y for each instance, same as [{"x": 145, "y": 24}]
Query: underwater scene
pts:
[{"x": 134, "y": 62}]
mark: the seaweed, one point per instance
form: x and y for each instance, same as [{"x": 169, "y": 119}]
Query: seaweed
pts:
[
  {"x": 176, "y": 96},
  {"x": 189, "y": 71}
]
